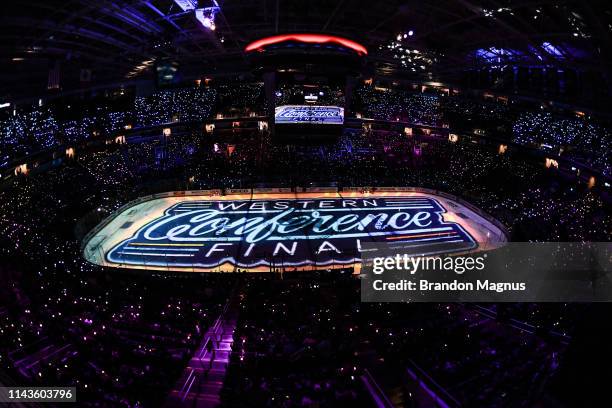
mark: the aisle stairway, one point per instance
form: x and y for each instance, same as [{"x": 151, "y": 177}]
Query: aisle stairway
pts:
[{"x": 202, "y": 381}]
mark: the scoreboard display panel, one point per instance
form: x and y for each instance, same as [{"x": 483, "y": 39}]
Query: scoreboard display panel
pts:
[{"x": 309, "y": 114}]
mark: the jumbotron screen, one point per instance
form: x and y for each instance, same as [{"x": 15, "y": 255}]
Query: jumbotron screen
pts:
[{"x": 309, "y": 114}]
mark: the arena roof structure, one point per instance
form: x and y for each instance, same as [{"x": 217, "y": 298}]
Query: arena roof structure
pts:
[{"x": 435, "y": 40}]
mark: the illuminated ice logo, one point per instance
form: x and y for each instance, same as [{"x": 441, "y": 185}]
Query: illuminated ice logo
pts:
[{"x": 288, "y": 232}]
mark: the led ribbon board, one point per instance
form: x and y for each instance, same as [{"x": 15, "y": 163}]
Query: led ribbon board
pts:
[
  {"x": 292, "y": 114},
  {"x": 287, "y": 232}
]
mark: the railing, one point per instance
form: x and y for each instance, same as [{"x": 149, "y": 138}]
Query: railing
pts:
[
  {"x": 378, "y": 395},
  {"x": 520, "y": 324},
  {"x": 440, "y": 397},
  {"x": 203, "y": 351}
]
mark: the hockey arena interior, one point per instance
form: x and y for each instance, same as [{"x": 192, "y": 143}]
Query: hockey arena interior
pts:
[{"x": 188, "y": 189}]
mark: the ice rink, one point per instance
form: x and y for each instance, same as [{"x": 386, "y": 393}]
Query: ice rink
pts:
[{"x": 223, "y": 233}]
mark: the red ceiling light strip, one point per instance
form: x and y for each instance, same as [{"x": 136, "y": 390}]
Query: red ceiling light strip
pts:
[{"x": 306, "y": 38}]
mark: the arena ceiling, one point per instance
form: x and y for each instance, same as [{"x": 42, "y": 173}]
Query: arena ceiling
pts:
[{"x": 121, "y": 40}]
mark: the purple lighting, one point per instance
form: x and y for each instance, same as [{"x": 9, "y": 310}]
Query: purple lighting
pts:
[{"x": 552, "y": 50}]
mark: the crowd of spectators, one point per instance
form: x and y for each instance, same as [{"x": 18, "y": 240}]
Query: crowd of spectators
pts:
[
  {"x": 124, "y": 338},
  {"x": 27, "y": 131},
  {"x": 580, "y": 138},
  {"x": 240, "y": 100},
  {"x": 288, "y": 94},
  {"x": 181, "y": 105},
  {"x": 576, "y": 137},
  {"x": 309, "y": 342},
  {"x": 291, "y": 348},
  {"x": 524, "y": 194},
  {"x": 583, "y": 139},
  {"x": 120, "y": 339},
  {"x": 397, "y": 105}
]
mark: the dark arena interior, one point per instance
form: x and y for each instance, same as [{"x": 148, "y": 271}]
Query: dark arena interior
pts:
[{"x": 189, "y": 190}]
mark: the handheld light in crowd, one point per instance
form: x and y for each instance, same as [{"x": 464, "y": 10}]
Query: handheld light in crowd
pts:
[{"x": 551, "y": 163}]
